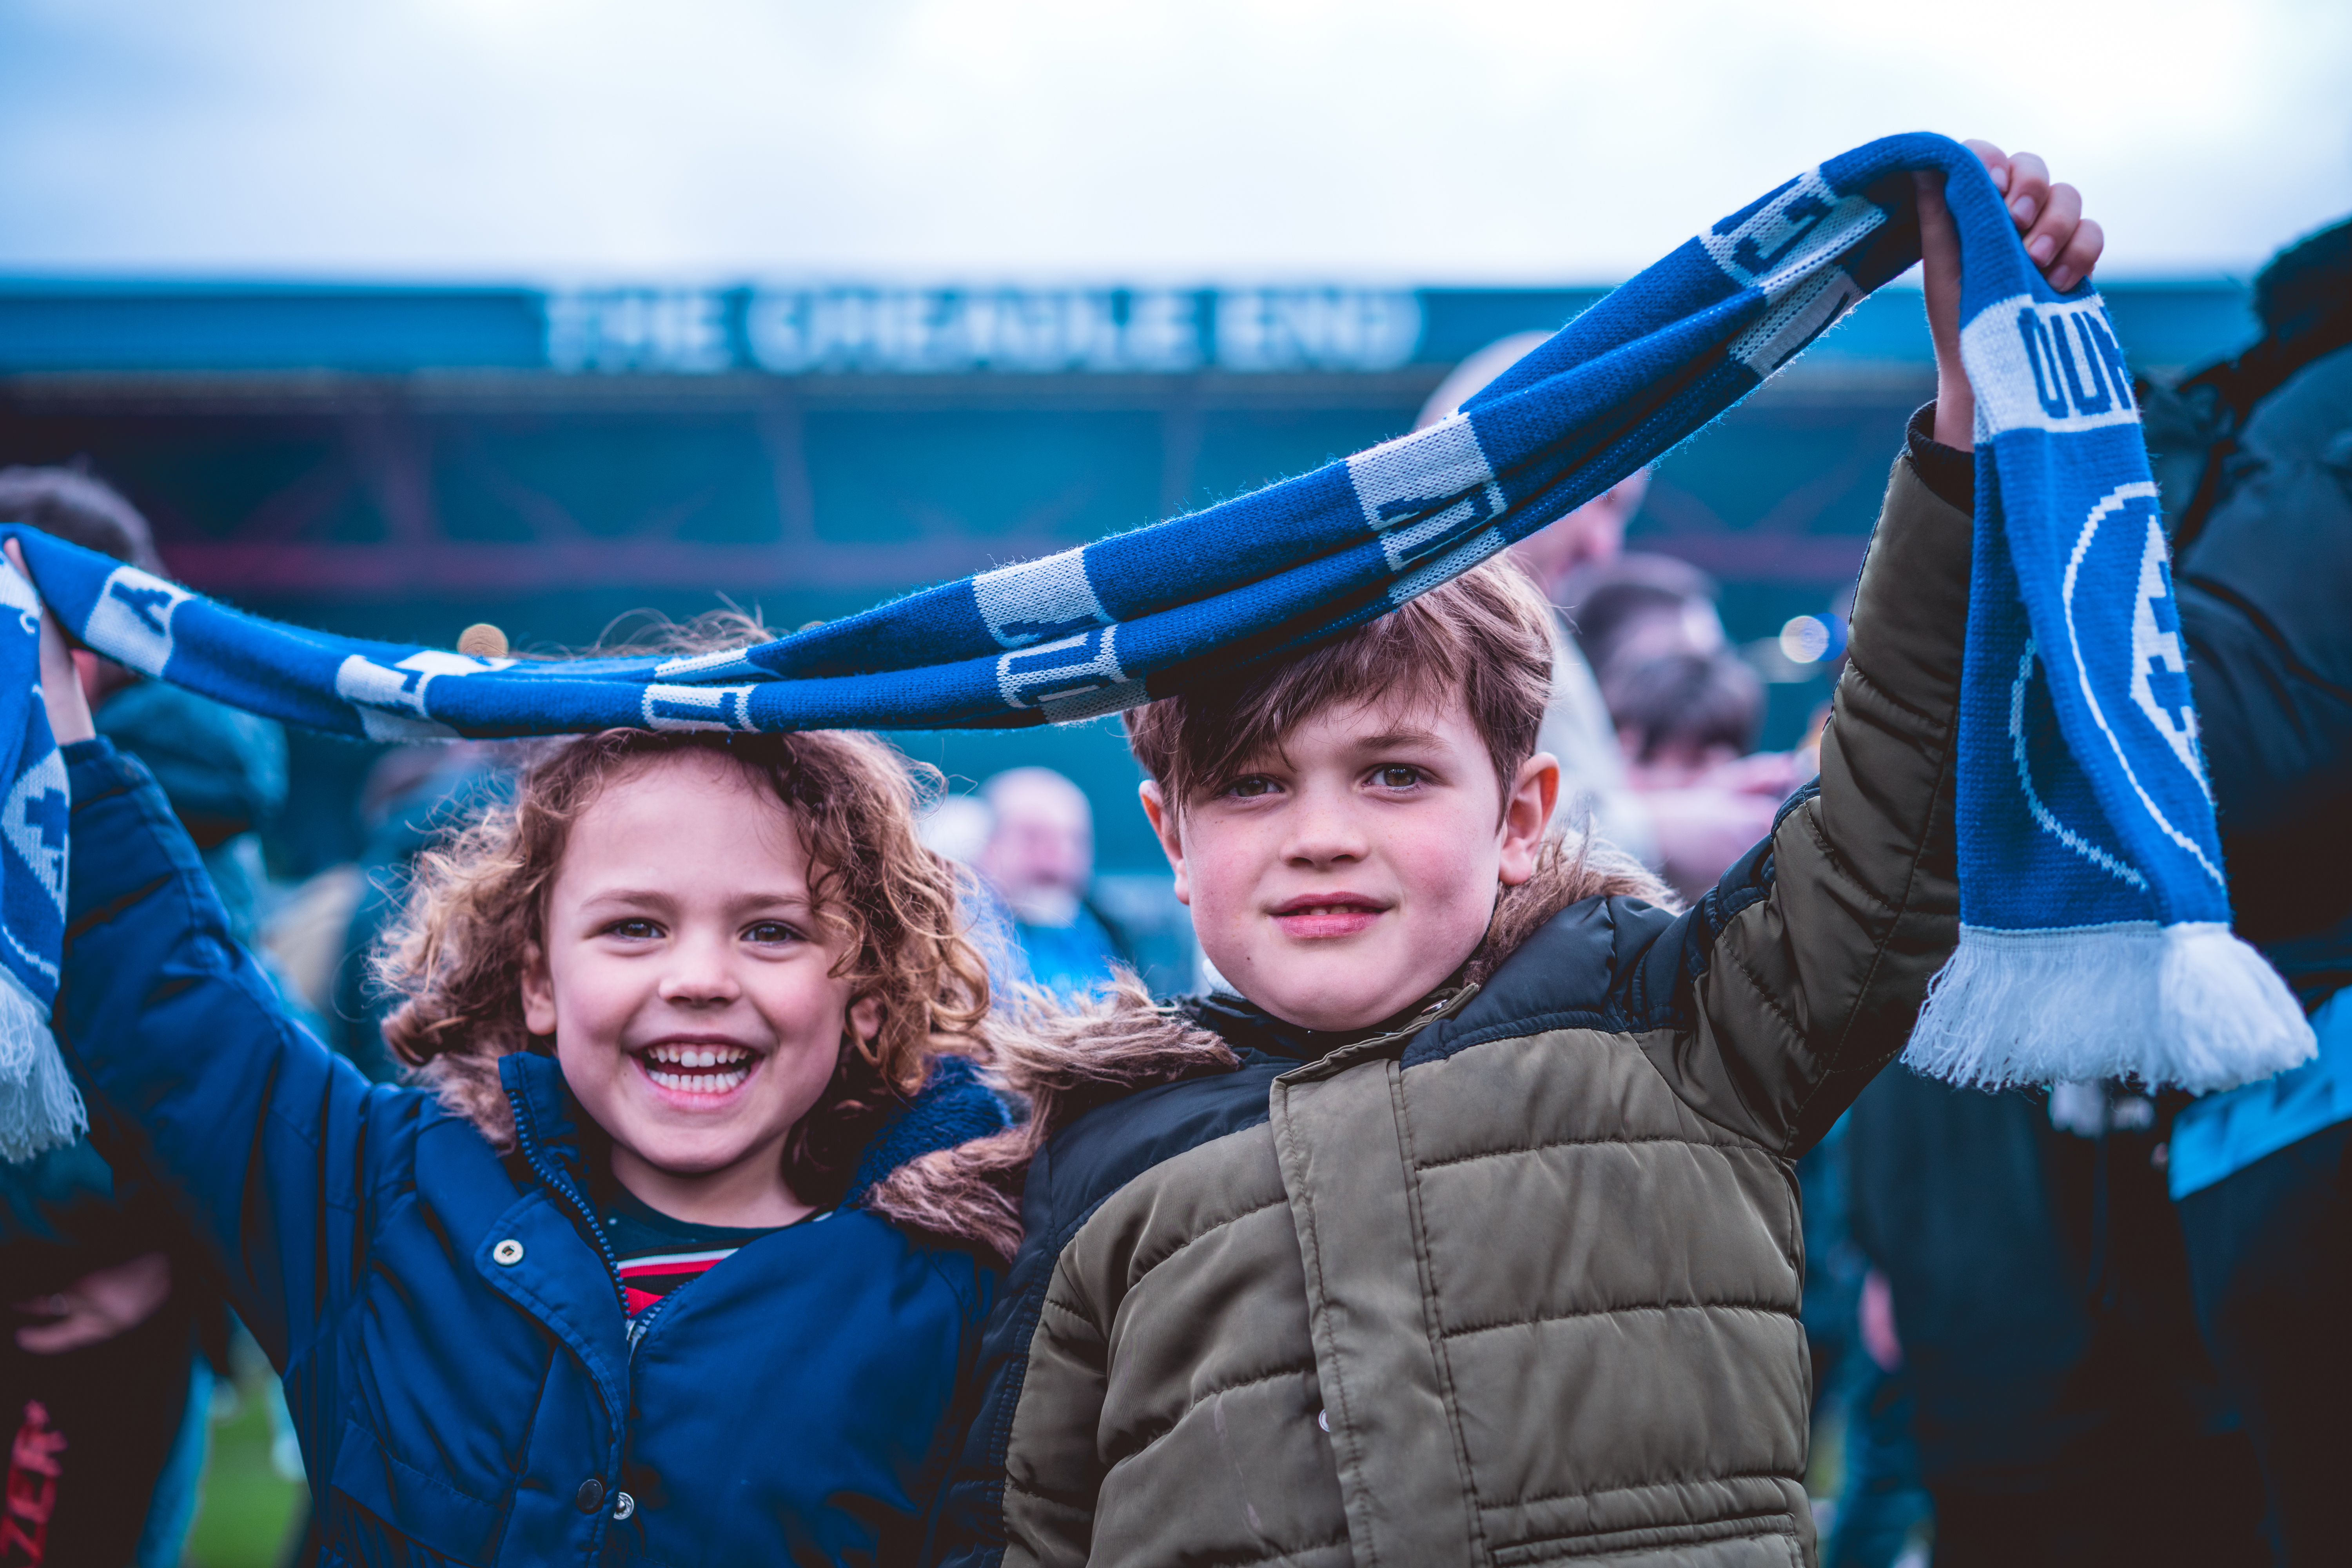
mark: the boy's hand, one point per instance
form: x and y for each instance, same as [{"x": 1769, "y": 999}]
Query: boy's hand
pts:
[
  {"x": 61, "y": 690},
  {"x": 2064, "y": 242}
]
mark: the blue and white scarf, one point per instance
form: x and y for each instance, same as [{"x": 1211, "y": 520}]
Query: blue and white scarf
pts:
[{"x": 2095, "y": 937}]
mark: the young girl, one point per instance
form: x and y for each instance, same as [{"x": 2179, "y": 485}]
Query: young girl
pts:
[{"x": 630, "y": 1277}]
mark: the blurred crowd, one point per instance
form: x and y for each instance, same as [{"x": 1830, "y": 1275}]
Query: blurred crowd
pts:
[{"x": 2034, "y": 1317}]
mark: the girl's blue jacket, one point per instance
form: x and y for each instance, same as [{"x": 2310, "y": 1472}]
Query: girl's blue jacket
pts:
[{"x": 465, "y": 1383}]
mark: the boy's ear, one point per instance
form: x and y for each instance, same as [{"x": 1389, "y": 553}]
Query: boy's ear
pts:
[
  {"x": 1163, "y": 827},
  {"x": 537, "y": 992},
  {"x": 1527, "y": 814}
]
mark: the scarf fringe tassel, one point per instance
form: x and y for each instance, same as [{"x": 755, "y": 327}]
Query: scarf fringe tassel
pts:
[
  {"x": 2189, "y": 1004},
  {"x": 40, "y": 1109}
]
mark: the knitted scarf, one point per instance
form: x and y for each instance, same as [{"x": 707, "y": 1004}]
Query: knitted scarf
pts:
[{"x": 2095, "y": 919}]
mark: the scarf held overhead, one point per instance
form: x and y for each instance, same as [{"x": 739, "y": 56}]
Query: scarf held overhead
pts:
[{"x": 2095, "y": 919}]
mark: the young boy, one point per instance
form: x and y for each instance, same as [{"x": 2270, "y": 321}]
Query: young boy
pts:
[{"x": 1468, "y": 1231}]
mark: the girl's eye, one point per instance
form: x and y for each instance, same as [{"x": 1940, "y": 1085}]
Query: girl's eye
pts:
[
  {"x": 634, "y": 931},
  {"x": 770, "y": 933},
  {"x": 1250, "y": 788},
  {"x": 1397, "y": 775}
]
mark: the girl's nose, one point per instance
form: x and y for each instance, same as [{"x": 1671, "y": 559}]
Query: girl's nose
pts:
[{"x": 699, "y": 975}]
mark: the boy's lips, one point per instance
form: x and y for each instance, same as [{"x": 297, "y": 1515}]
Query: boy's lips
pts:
[
  {"x": 697, "y": 1070},
  {"x": 1315, "y": 916}
]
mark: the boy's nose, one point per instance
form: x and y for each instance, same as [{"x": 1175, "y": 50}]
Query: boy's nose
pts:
[{"x": 1325, "y": 833}]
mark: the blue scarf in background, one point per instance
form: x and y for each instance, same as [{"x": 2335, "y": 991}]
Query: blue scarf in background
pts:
[{"x": 2095, "y": 918}]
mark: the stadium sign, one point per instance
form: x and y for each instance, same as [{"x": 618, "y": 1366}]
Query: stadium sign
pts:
[{"x": 801, "y": 330}]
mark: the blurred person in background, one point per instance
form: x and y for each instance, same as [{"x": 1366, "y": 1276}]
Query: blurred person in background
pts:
[
  {"x": 1883, "y": 1511},
  {"x": 1640, "y": 606},
  {"x": 1649, "y": 626},
  {"x": 2256, "y": 454},
  {"x": 1682, "y": 718},
  {"x": 2037, "y": 1305},
  {"x": 959, "y": 827},
  {"x": 1040, "y": 858},
  {"x": 412, "y": 795},
  {"x": 112, "y": 1332}
]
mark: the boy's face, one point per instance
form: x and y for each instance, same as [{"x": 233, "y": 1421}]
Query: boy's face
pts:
[
  {"x": 1340, "y": 883},
  {"x": 689, "y": 986}
]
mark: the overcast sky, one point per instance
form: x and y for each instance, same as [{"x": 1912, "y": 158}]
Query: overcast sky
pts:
[{"x": 1473, "y": 141}]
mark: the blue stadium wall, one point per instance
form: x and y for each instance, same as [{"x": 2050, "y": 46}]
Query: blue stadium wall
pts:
[{"x": 400, "y": 462}]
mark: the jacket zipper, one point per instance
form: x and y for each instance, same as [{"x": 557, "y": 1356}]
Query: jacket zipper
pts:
[
  {"x": 644, "y": 1320},
  {"x": 532, "y": 1156},
  {"x": 1348, "y": 1055},
  {"x": 638, "y": 1322}
]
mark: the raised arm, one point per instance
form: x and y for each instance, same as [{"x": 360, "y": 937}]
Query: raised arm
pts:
[
  {"x": 268, "y": 1146},
  {"x": 1811, "y": 957},
  {"x": 272, "y": 1149},
  {"x": 1815, "y": 950}
]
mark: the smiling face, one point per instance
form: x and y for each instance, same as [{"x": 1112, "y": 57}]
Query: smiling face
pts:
[
  {"x": 1339, "y": 881},
  {"x": 688, "y": 986}
]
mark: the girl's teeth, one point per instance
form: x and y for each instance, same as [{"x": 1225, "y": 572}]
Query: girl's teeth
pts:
[
  {"x": 716, "y": 1083},
  {"x": 695, "y": 1057}
]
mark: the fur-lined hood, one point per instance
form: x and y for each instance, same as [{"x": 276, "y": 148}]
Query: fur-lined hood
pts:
[
  {"x": 954, "y": 1109},
  {"x": 1060, "y": 1058},
  {"x": 1063, "y": 1058}
]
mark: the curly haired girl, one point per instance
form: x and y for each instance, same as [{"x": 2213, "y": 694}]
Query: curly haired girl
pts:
[
  {"x": 647, "y": 1266},
  {"x": 760, "y": 961}
]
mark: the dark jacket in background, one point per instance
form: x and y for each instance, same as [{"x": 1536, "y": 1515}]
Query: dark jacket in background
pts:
[{"x": 2266, "y": 597}]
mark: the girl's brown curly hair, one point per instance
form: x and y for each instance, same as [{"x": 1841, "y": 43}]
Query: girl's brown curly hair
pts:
[{"x": 476, "y": 903}]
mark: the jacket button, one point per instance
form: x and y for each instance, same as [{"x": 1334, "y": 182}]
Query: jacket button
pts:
[
  {"x": 591, "y": 1493},
  {"x": 624, "y": 1505},
  {"x": 506, "y": 1253}
]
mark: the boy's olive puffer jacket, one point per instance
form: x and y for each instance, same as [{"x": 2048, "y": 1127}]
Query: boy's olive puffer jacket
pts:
[{"x": 1516, "y": 1281}]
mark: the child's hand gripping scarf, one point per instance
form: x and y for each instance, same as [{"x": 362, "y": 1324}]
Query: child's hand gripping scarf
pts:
[{"x": 2095, "y": 918}]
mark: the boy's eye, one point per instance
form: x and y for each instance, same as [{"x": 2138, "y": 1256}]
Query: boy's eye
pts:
[
  {"x": 1397, "y": 775},
  {"x": 1250, "y": 788},
  {"x": 634, "y": 931},
  {"x": 771, "y": 933}
]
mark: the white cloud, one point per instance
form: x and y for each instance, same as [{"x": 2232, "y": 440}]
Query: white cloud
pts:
[{"x": 1476, "y": 141}]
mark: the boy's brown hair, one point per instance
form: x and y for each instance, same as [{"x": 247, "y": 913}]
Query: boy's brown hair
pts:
[
  {"x": 1486, "y": 636},
  {"x": 477, "y": 904}
]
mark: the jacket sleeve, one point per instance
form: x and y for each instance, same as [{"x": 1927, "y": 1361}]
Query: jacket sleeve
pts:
[
  {"x": 1808, "y": 962},
  {"x": 265, "y": 1143}
]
